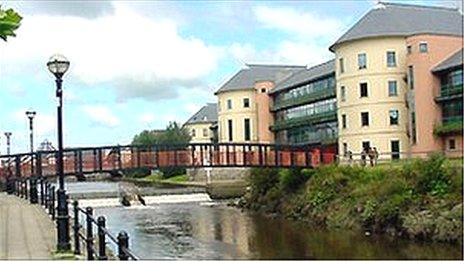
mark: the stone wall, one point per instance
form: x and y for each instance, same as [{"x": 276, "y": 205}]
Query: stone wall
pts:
[{"x": 219, "y": 174}]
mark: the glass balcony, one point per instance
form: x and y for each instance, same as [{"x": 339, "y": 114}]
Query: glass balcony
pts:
[
  {"x": 448, "y": 92},
  {"x": 304, "y": 120},
  {"x": 307, "y": 98}
]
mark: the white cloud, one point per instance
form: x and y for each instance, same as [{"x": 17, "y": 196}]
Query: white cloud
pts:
[
  {"x": 16, "y": 90},
  {"x": 101, "y": 115},
  {"x": 44, "y": 124},
  {"x": 303, "y": 24},
  {"x": 137, "y": 56},
  {"x": 147, "y": 118}
]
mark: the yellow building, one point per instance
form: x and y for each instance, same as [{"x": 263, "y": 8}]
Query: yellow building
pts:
[
  {"x": 244, "y": 104},
  {"x": 371, "y": 76},
  {"x": 201, "y": 125}
]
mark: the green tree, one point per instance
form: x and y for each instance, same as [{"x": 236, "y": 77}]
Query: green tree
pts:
[
  {"x": 9, "y": 22},
  {"x": 174, "y": 134}
]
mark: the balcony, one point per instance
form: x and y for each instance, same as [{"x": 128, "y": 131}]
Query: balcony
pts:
[
  {"x": 307, "y": 98},
  {"x": 450, "y": 125},
  {"x": 449, "y": 92},
  {"x": 305, "y": 120}
]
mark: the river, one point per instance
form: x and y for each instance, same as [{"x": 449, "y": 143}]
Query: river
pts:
[{"x": 212, "y": 230}]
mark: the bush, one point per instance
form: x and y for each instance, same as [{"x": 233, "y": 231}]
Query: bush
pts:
[
  {"x": 292, "y": 179},
  {"x": 172, "y": 171},
  {"x": 138, "y": 173}
]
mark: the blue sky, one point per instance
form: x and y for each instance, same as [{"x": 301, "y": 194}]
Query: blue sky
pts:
[{"x": 137, "y": 65}]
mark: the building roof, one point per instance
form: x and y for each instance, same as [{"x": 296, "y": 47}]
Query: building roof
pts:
[
  {"x": 307, "y": 75},
  {"x": 455, "y": 60},
  {"x": 207, "y": 113},
  {"x": 247, "y": 77},
  {"x": 392, "y": 19}
]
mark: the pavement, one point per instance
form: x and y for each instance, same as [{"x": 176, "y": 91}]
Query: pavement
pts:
[{"x": 26, "y": 231}]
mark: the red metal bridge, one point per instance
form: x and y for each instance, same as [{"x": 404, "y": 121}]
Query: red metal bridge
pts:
[{"x": 86, "y": 160}]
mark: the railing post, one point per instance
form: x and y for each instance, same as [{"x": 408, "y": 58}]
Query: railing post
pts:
[
  {"x": 76, "y": 227},
  {"x": 26, "y": 192},
  {"x": 123, "y": 243},
  {"x": 89, "y": 237},
  {"x": 100, "y": 160},
  {"x": 38, "y": 164},
  {"x": 34, "y": 198},
  {"x": 18, "y": 166},
  {"x": 101, "y": 221},
  {"x": 47, "y": 197},
  {"x": 260, "y": 154},
  {"x": 52, "y": 202},
  {"x": 42, "y": 195},
  {"x": 119, "y": 158}
]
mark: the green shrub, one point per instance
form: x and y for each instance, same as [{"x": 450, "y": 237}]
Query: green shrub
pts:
[
  {"x": 138, "y": 173},
  {"x": 262, "y": 179},
  {"x": 292, "y": 179},
  {"x": 172, "y": 171}
]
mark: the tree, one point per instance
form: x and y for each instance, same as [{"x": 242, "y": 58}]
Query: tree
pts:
[
  {"x": 9, "y": 22},
  {"x": 174, "y": 134}
]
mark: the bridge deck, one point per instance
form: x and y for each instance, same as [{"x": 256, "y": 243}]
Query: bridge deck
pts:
[{"x": 26, "y": 232}]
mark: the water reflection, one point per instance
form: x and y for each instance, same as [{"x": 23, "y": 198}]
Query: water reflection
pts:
[{"x": 193, "y": 231}]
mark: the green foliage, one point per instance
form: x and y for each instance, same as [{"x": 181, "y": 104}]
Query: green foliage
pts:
[
  {"x": 9, "y": 22},
  {"x": 447, "y": 128},
  {"x": 419, "y": 198},
  {"x": 168, "y": 172},
  {"x": 174, "y": 134}
]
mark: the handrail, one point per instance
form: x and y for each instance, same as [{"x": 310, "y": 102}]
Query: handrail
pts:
[{"x": 121, "y": 241}]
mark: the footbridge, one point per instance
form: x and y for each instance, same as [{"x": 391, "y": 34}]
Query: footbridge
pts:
[{"x": 114, "y": 159}]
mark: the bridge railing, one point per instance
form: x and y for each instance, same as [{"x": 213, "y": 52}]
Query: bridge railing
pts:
[
  {"x": 80, "y": 161},
  {"x": 103, "y": 235}
]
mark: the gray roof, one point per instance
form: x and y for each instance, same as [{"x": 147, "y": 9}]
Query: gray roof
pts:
[
  {"x": 454, "y": 60},
  {"x": 207, "y": 113},
  {"x": 307, "y": 75},
  {"x": 247, "y": 77},
  {"x": 391, "y": 19}
]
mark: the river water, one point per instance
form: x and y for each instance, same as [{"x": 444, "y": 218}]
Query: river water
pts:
[{"x": 212, "y": 230}]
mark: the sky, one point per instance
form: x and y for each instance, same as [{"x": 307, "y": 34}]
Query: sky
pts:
[{"x": 137, "y": 65}]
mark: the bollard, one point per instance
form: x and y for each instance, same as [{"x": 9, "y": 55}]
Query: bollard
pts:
[
  {"x": 89, "y": 238},
  {"x": 76, "y": 227},
  {"x": 52, "y": 202},
  {"x": 101, "y": 222},
  {"x": 123, "y": 243}
]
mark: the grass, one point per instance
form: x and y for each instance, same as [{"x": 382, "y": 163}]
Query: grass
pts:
[
  {"x": 64, "y": 255},
  {"x": 416, "y": 198}
]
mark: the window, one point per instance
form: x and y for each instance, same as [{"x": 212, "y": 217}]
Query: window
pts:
[
  {"x": 343, "y": 93},
  {"x": 205, "y": 132},
  {"x": 229, "y": 123},
  {"x": 395, "y": 149},
  {"x": 344, "y": 121},
  {"x": 362, "y": 61},
  {"x": 364, "y": 119},
  {"x": 393, "y": 117},
  {"x": 345, "y": 149},
  {"x": 392, "y": 88},
  {"x": 411, "y": 77},
  {"x": 363, "y": 89},
  {"x": 423, "y": 48},
  {"x": 247, "y": 130},
  {"x": 391, "y": 59},
  {"x": 193, "y": 132},
  {"x": 229, "y": 104},
  {"x": 409, "y": 49},
  {"x": 452, "y": 144},
  {"x": 263, "y": 90},
  {"x": 246, "y": 103},
  {"x": 342, "y": 65},
  {"x": 366, "y": 145}
]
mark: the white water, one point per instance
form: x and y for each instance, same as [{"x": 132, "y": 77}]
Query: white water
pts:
[{"x": 149, "y": 200}]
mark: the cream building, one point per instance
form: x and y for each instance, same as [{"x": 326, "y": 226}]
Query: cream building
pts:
[
  {"x": 371, "y": 75},
  {"x": 244, "y": 104},
  {"x": 201, "y": 125}
]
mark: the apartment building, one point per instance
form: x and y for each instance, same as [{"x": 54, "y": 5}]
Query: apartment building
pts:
[
  {"x": 201, "y": 125},
  {"x": 384, "y": 80},
  {"x": 244, "y": 113},
  {"x": 304, "y": 108}
]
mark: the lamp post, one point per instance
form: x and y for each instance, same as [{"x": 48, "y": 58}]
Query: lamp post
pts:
[
  {"x": 10, "y": 182},
  {"x": 58, "y": 65},
  {"x": 33, "y": 179}
]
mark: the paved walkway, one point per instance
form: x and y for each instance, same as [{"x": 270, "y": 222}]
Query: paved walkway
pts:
[{"x": 26, "y": 232}]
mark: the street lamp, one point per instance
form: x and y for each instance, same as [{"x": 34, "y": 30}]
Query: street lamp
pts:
[
  {"x": 58, "y": 65},
  {"x": 33, "y": 179},
  {"x": 9, "y": 182}
]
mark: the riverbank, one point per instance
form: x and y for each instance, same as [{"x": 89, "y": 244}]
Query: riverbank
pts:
[{"x": 419, "y": 199}]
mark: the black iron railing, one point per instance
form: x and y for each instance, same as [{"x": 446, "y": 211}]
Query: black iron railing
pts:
[{"x": 103, "y": 236}]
